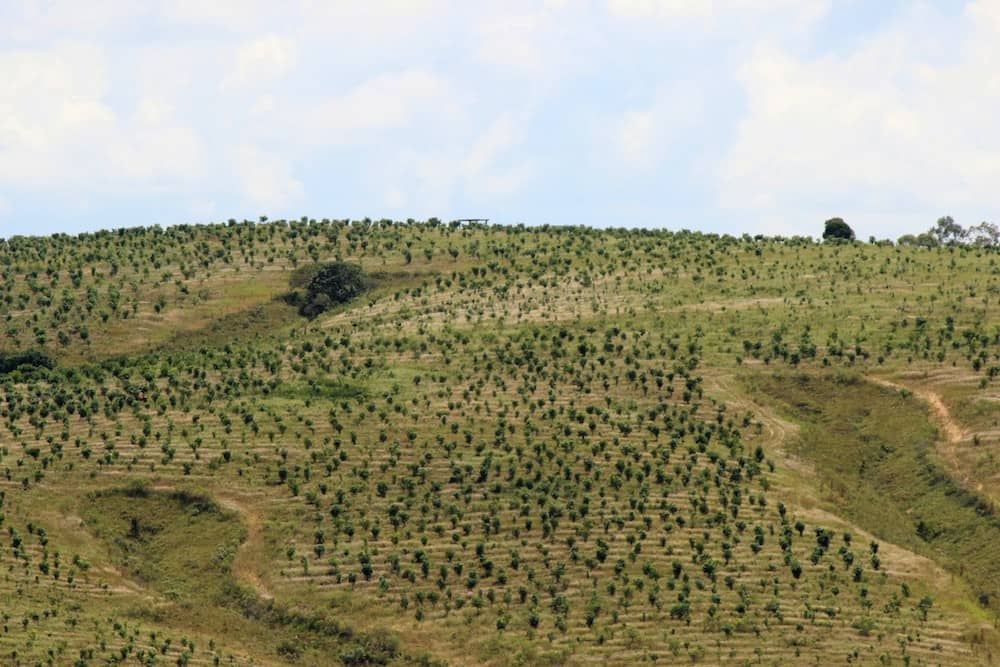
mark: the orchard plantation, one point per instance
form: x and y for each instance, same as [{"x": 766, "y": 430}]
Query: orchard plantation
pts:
[{"x": 373, "y": 442}]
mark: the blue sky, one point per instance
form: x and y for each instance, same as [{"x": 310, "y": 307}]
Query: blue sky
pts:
[{"x": 721, "y": 115}]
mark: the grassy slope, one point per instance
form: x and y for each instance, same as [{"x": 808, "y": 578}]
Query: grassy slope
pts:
[
  {"x": 874, "y": 450},
  {"x": 530, "y": 331},
  {"x": 182, "y": 546}
]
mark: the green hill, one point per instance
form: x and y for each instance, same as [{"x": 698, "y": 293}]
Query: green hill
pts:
[{"x": 502, "y": 446}]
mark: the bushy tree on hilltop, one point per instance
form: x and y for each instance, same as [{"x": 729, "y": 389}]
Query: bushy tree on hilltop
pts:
[
  {"x": 836, "y": 228},
  {"x": 947, "y": 231}
]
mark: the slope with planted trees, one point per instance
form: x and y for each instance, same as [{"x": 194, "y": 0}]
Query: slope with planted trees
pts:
[{"x": 493, "y": 445}]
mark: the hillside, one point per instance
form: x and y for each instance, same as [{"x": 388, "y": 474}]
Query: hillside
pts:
[{"x": 519, "y": 446}]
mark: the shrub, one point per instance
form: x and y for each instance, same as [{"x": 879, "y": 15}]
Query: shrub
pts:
[
  {"x": 337, "y": 282},
  {"x": 25, "y": 361},
  {"x": 287, "y": 649}
]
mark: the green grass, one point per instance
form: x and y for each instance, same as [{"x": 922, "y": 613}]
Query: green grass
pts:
[
  {"x": 264, "y": 320},
  {"x": 873, "y": 449},
  {"x": 180, "y": 544},
  {"x": 320, "y": 388}
]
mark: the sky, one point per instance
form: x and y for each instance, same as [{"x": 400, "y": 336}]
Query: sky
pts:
[{"x": 727, "y": 116}]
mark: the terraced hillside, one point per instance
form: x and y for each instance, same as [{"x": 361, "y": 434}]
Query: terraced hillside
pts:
[{"x": 519, "y": 446}]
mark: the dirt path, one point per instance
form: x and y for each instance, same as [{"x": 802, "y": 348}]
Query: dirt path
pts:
[
  {"x": 952, "y": 431},
  {"x": 249, "y": 552},
  {"x": 776, "y": 430}
]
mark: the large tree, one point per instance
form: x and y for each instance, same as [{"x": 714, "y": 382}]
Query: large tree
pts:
[
  {"x": 984, "y": 234},
  {"x": 836, "y": 228},
  {"x": 948, "y": 232}
]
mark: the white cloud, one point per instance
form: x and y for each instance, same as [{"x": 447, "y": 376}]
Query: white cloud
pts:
[
  {"x": 513, "y": 41},
  {"x": 486, "y": 167},
  {"x": 385, "y": 101},
  {"x": 490, "y": 168},
  {"x": 261, "y": 60},
  {"x": 120, "y": 117},
  {"x": 158, "y": 153},
  {"x": 644, "y": 137},
  {"x": 57, "y": 129},
  {"x": 266, "y": 178},
  {"x": 395, "y": 198},
  {"x": 373, "y": 19},
  {"x": 423, "y": 182},
  {"x": 662, "y": 10},
  {"x": 542, "y": 43},
  {"x": 203, "y": 210},
  {"x": 635, "y": 136},
  {"x": 346, "y": 25},
  {"x": 32, "y": 21},
  {"x": 503, "y": 181},
  {"x": 50, "y": 110},
  {"x": 502, "y": 134},
  {"x": 171, "y": 69},
  {"x": 886, "y": 127},
  {"x": 421, "y": 103},
  {"x": 153, "y": 111},
  {"x": 719, "y": 13},
  {"x": 235, "y": 15}
]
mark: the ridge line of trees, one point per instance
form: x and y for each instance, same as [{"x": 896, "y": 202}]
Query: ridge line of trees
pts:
[{"x": 947, "y": 232}]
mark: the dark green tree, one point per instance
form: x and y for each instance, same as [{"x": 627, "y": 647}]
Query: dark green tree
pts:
[
  {"x": 836, "y": 228},
  {"x": 337, "y": 282}
]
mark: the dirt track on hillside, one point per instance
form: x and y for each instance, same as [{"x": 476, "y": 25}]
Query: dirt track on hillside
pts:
[
  {"x": 244, "y": 566},
  {"x": 952, "y": 432}
]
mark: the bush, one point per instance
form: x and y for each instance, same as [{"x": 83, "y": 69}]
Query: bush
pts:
[
  {"x": 24, "y": 361},
  {"x": 330, "y": 284},
  {"x": 287, "y": 649},
  {"x": 924, "y": 240}
]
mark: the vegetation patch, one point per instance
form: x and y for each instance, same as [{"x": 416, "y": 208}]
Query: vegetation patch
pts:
[
  {"x": 245, "y": 325},
  {"x": 522, "y": 446},
  {"x": 178, "y": 543},
  {"x": 320, "y": 287},
  {"x": 183, "y": 544},
  {"x": 328, "y": 389},
  {"x": 25, "y": 362},
  {"x": 311, "y": 630}
]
